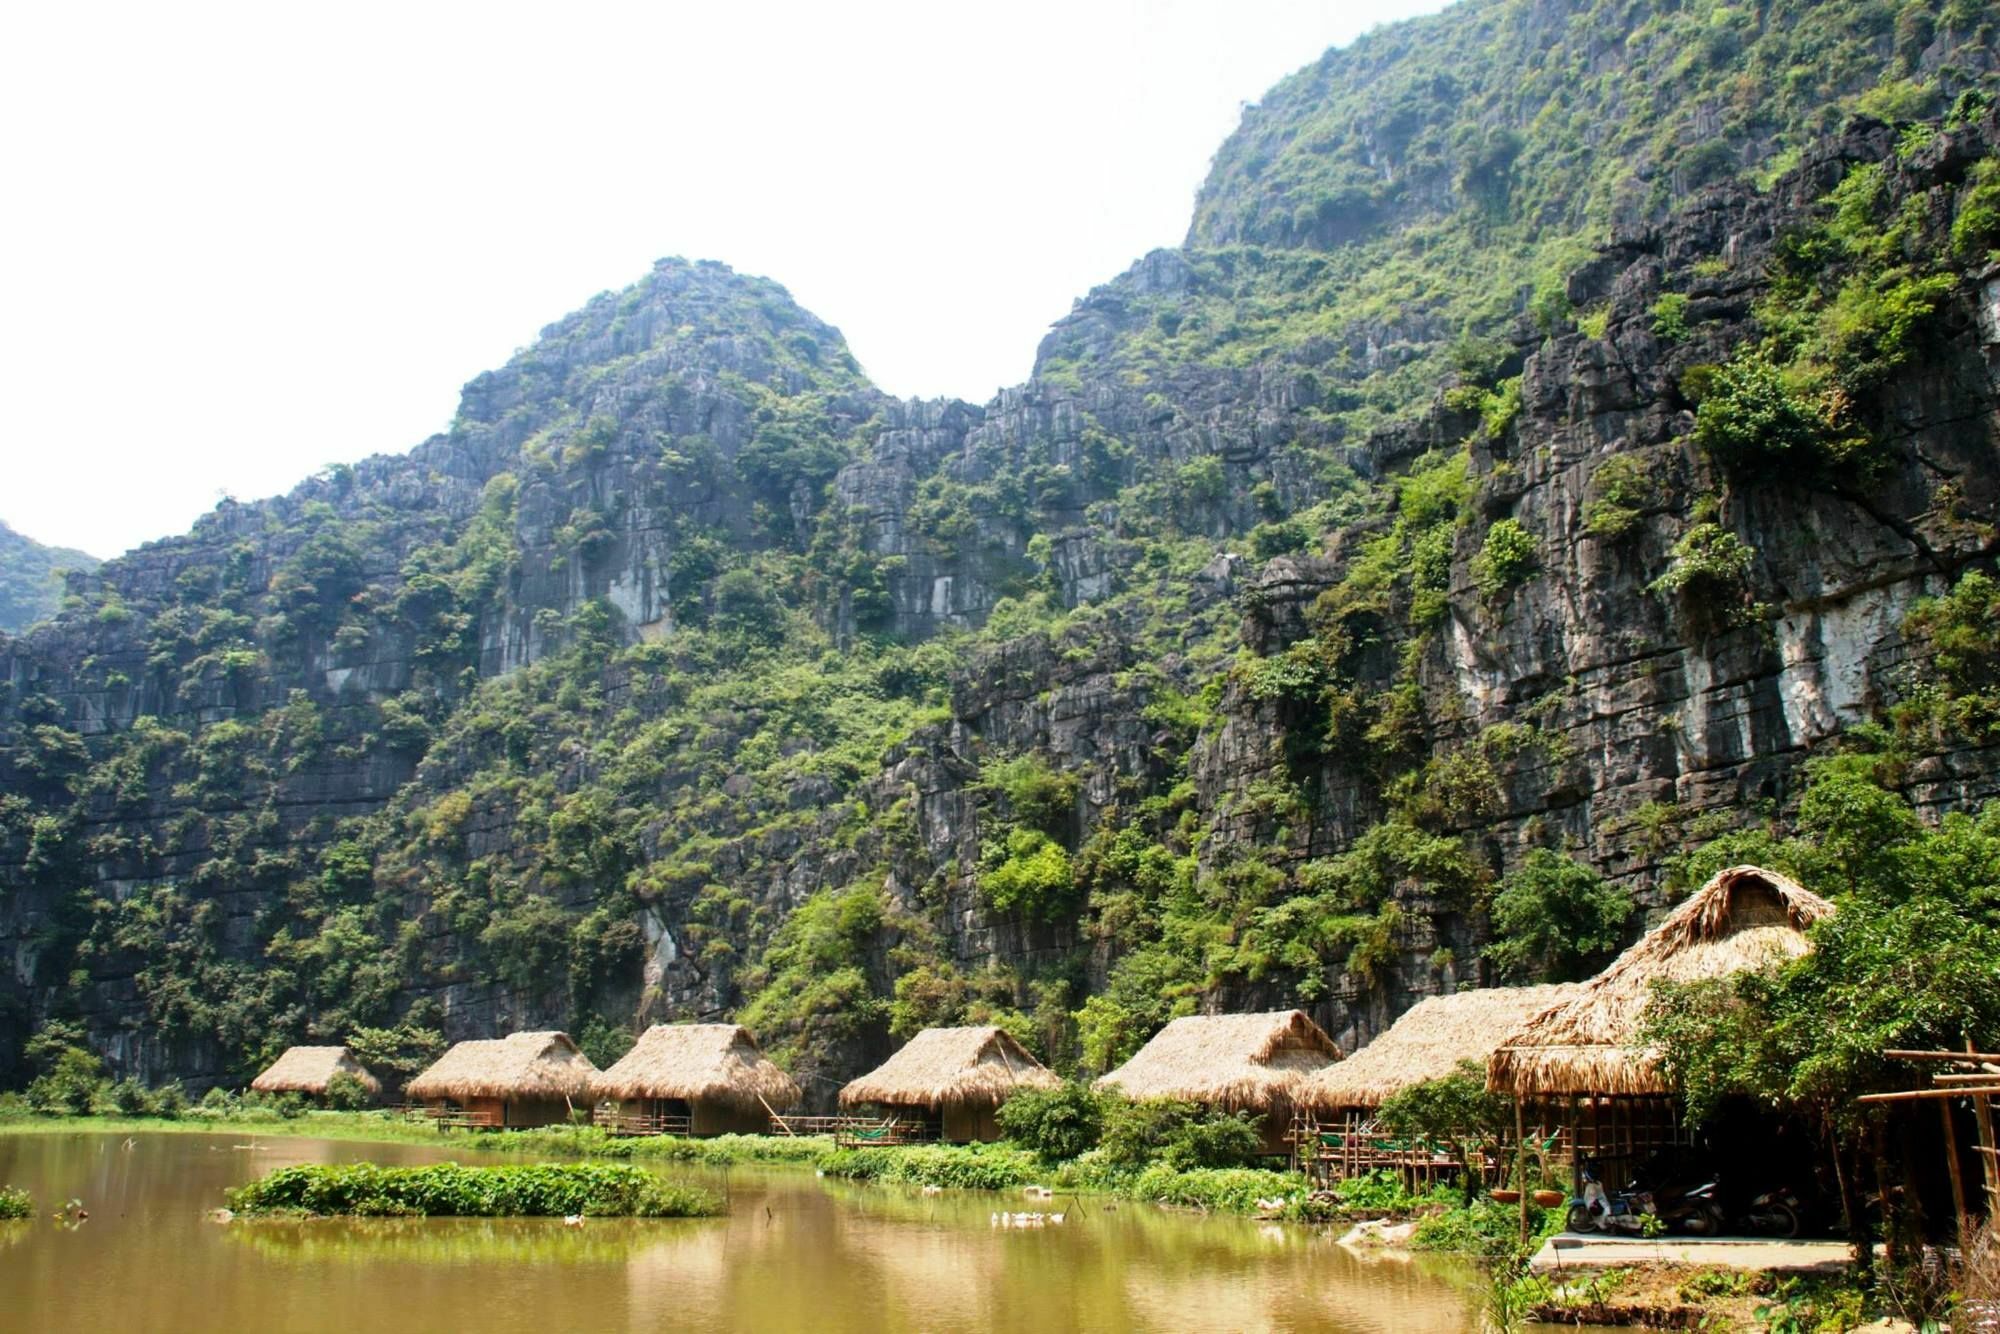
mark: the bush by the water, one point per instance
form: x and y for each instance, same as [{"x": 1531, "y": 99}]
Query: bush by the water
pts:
[
  {"x": 16, "y": 1203},
  {"x": 1178, "y": 1135},
  {"x": 971, "y": 1167},
  {"x": 1235, "y": 1190},
  {"x": 541, "y": 1190},
  {"x": 1056, "y": 1123}
]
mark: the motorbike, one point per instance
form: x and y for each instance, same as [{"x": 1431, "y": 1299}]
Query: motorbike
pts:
[
  {"x": 1775, "y": 1213},
  {"x": 1696, "y": 1210}
]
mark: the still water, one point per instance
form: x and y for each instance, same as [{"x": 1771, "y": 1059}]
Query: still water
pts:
[{"x": 795, "y": 1253}]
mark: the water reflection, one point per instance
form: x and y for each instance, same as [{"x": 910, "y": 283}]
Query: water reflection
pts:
[{"x": 793, "y": 1253}]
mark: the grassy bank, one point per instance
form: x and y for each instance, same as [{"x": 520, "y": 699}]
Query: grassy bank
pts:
[
  {"x": 382, "y": 1128},
  {"x": 448, "y": 1190}
]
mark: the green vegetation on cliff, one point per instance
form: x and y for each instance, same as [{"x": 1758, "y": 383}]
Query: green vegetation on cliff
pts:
[{"x": 1359, "y": 602}]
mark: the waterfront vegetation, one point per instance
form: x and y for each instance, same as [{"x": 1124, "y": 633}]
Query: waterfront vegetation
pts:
[
  {"x": 447, "y": 1190},
  {"x": 15, "y": 1203}
]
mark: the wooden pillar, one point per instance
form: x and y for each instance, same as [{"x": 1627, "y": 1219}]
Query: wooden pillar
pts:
[
  {"x": 1521, "y": 1165},
  {"x": 1989, "y": 1149},
  {"x": 1951, "y": 1162}
]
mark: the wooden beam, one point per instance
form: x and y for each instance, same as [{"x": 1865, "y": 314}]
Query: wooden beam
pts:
[
  {"x": 1942, "y": 1055},
  {"x": 1915, "y": 1095},
  {"x": 1974, "y": 1077}
]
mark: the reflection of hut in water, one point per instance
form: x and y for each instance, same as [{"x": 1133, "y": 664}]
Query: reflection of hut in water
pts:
[
  {"x": 309, "y": 1070},
  {"x": 1578, "y": 1060},
  {"x": 1236, "y": 1062},
  {"x": 952, "y": 1081},
  {"x": 1432, "y": 1039},
  {"x": 524, "y": 1079},
  {"x": 693, "y": 1079}
]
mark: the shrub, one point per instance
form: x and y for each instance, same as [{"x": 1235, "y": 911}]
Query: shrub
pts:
[
  {"x": 1553, "y": 917},
  {"x": 1178, "y": 1135},
  {"x": 1056, "y": 1123},
  {"x": 1670, "y": 317},
  {"x": 972, "y": 1167},
  {"x": 1619, "y": 492},
  {"x": 71, "y": 1079},
  {"x": 346, "y": 1093},
  {"x": 1504, "y": 560},
  {"x": 1029, "y": 874},
  {"x": 1710, "y": 578},
  {"x": 1038, "y": 795},
  {"x": 542, "y": 1190},
  {"x": 1752, "y": 418},
  {"x": 15, "y": 1203}
]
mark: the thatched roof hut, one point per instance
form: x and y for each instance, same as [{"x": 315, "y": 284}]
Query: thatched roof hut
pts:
[
  {"x": 1745, "y": 918},
  {"x": 309, "y": 1069},
  {"x": 537, "y": 1071},
  {"x": 716, "y": 1072},
  {"x": 961, "y": 1074},
  {"x": 1227, "y": 1060},
  {"x": 1430, "y": 1041}
]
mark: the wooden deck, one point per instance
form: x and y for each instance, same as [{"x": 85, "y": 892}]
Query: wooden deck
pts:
[
  {"x": 452, "y": 1120},
  {"x": 641, "y": 1123},
  {"x": 1356, "y": 1146}
]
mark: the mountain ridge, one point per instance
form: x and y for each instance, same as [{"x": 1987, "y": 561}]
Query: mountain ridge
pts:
[{"x": 687, "y": 674}]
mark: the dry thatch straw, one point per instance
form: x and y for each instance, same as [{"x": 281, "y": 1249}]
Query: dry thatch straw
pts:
[
  {"x": 1429, "y": 1042},
  {"x": 520, "y": 1065},
  {"x": 1745, "y": 918},
  {"x": 951, "y": 1067},
  {"x": 1235, "y": 1061},
  {"x": 719, "y": 1063},
  {"x": 307, "y": 1070}
]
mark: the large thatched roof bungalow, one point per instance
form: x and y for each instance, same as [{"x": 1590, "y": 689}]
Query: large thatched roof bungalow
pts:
[
  {"x": 1431, "y": 1040},
  {"x": 1744, "y": 918},
  {"x": 955, "y": 1078},
  {"x": 696, "y": 1079},
  {"x": 1582, "y": 1055},
  {"x": 309, "y": 1070},
  {"x": 1238, "y": 1062},
  {"x": 524, "y": 1079}
]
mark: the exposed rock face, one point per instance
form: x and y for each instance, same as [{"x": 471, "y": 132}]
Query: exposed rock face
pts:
[{"x": 453, "y": 702}]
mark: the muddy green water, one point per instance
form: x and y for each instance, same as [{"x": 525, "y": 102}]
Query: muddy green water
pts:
[{"x": 795, "y": 1253}]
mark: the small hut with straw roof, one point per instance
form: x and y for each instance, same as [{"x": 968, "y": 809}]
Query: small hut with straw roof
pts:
[
  {"x": 1237, "y": 1062},
  {"x": 951, "y": 1079},
  {"x": 693, "y": 1079},
  {"x": 1583, "y": 1053},
  {"x": 1432, "y": 1040},
  {"x": 309, "y": 1070},
  {"x": 524, "y": 1079}
]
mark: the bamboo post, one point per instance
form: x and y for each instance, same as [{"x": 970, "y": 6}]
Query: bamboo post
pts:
[
  {"x": 1989, "y": 1153},
  {"x": 1951, "y": 1161},
  {"x": 1521, "y": 1166}
]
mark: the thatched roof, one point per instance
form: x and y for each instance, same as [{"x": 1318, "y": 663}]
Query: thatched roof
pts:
[
  {"x": 1227, "y": 1060},
  {"x": 1745, "y": 918},
  {"x": 307, "y": 1070},
  {"x": 521, "y": 1065},
  {"x": 955, "y": 1067},
  {"x": 699, "y": 1063},
  {"x": 1429, "y": 1042}
]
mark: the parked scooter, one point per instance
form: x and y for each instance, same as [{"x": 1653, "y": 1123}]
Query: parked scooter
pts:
[
  {"x": 1775, "y": 1213},
  {"x": 1696, "y": 1210}
]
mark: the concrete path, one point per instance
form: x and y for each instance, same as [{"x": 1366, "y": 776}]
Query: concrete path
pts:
[{"x": 1588, "y": 1250}]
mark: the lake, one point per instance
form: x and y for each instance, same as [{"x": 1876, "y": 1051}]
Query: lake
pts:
[{"x": 794, "y": 1252}]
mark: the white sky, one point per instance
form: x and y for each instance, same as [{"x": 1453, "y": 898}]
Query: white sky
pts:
[{"x": 239, "y": 242}]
